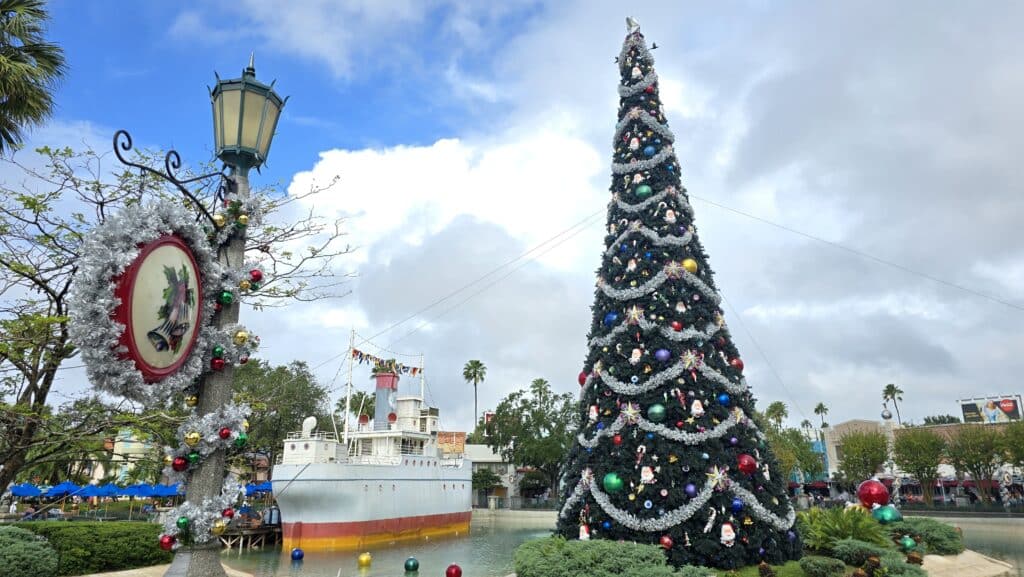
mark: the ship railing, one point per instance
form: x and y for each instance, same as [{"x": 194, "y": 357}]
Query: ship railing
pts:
[
  {"x": 374, "y": 460},
  {"x": 318, "y": 436}
]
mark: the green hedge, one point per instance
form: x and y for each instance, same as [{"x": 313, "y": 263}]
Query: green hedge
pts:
[
  {"x": 814, "y": 566},
  {"x": 938, "y": 538},
  {"x": 556, "y": 557},
  {"x": 25, "y": 554},
  {"x": 855, "y": 552},
  {"x": 94, "y": 547}
]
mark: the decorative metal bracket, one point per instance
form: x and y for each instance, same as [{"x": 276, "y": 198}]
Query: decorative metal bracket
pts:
[{"x": 172, "y": 162}]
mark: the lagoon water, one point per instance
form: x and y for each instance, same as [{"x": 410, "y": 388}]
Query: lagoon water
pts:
[
  {"x": 485, "y": 552},
  {"x": 1001, "y": 539}
]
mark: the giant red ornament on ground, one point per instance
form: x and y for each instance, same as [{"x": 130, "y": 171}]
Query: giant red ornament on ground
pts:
[{"x": 872, "y": 492}]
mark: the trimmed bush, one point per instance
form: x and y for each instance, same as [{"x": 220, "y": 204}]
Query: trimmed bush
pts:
[
  {"x": 937, "y": 537},
  {"x": 88, "y": 547},
  {"x": 556, "y": 557},
  {"x": 821, "y": 529},
  {"x": 822, "y": 566},
  {"x": 24, "y": 554},
  {"x": 854, "y": 552},
  {"x": 896, "y": 566},
  {"x": 694, "y": 571}
]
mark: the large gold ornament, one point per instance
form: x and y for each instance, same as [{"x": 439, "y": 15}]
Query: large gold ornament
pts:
[
  {"x": 241, "y": 337},
  {"x": 191, "y": 400},
  {"x": 219, "y": 526},
  {"x": 219, "y": 220},
  {"x": 243, "y": 219},
  {"x": 192, "y": 438},
  {"x": 690, "y": 265},
  {"x": 244, "y": 284}
]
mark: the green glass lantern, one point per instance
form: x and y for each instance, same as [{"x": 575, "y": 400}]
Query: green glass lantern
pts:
[{"x": 245, "y": 116}]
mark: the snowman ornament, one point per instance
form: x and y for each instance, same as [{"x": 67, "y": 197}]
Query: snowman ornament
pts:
[{"x": 728, "y": 537}]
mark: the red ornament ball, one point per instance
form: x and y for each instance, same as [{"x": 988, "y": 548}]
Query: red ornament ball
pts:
[
  {"x": 255, "y": 275},
  {"x": 721, "y": 342},
  {"x": 746, "y": 464},
  {"x": 217, "y": 364},
  {"x": 582, "y": 378},
  {"x": 649, "y": 89},
  {"x": 167, "y": 542},
  {"x": 737, "y": 363},
  {"x": 224, "y": 432},
  {"x": 677, "y": 326},
  {"x": 217, "y": 306},
  {"x": 453, "y": 570},
  {"x": 617, "y": 440},
  {"x": 872, "y": 492},
  {"x": 179, "y": 464},
  {"x": 666, "y": 541},
  {"x": 229, "y": 513},
  {"x": 679, "y": 424},
  {"x": 243, "y": 359}
]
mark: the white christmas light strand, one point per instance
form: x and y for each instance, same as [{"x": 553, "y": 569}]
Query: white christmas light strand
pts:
[
  {"x": 762, "y": 513},
  {"x": 667, "y": 332},
  {"x": 637, "y": 114},
  {"x": 675, "y": 517},
  {"x": 667, "y": 192},
  {"x": 654, "y": 237},
  {"x": 107, "y": 251},
  {"x": 638, "y": 165},
  {"x": 684, "y": 437}
]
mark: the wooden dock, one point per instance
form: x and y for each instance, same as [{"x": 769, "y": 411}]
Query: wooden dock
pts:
[{"x": 250, "y": 537}]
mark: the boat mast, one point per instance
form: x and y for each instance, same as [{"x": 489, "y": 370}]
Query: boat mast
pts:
[
  {"x": 348, "y": 388},
  {"x": 423, "y": 396}
]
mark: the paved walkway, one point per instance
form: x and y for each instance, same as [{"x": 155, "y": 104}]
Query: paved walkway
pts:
[
  {"x": 967, "y": 564},
  {"x": 158, "y": 571}
]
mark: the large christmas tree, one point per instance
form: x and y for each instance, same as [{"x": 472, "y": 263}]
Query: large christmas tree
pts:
[{"x": 666, "y": 452}]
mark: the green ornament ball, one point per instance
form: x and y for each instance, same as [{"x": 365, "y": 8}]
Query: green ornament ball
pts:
[
  {"x": 218, "y": 352},
  {"x": 656, "y": 412},
  {"x": 241, "y": 439},
  {"x": 643, "y": 191},
  {"x": 226, "y": 297},
  {"x": 193, "y": 458},
  {"x": 254, "y": 286},
  {"x": 412, "y": 565},
  {"x": 887, "y": 514},
  {"x": 182, "y": 523},
  {"x": 908, "y": 543},
  {"x": 612, "y": 483}
]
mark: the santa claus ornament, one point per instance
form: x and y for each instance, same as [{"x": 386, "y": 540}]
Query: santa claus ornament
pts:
[
  {"x": 584, "y": 533},
  {"x": 728, "y": 537}
]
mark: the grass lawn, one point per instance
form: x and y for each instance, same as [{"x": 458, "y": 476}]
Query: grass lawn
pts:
[{"x": 790, "y": 569}]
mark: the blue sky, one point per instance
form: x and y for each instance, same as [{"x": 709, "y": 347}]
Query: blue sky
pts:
[{"x": 466, "y": 132}]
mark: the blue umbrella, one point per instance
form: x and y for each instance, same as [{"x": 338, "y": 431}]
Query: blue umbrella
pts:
[
  {"x": 90, "y": 491},
  {"x": 63, "y": 489},
  {"x": 265, "y": 487},
  {"x": 250, "y": 489},
  {"x": 25, "y": 490},
  {"x": 109, "y": 490}
]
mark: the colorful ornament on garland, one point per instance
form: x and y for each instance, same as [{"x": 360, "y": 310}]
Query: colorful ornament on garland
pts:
[
  {"x": 218, "y": 352},
  {"x": 241, "y": 337},
  {"x": 219, "y": 220},
  {"x": 224, "y": 433},
  {"x": 690, "y": 265},
  {"x": 728, "y": 535},
  {"x": 243, "y": 220},
  {"x": 612, "y": 483},
  {"x": 241, "y": 440},
  {"x": 412, "y": 565},
  {"x": 737, "y": 363},
  {"x": 217, "y": 364},
  {"x": 192, "y": 438},
  {"x": 182, "y": 523},
  {"x": 226, "y": 297},
  {"x": 229, "y": 513},
  {"x": 256, "y": 275},
  {"x": 244, "y": 284},
  {"x": 191, "y": 401},
  {"x": 167, "y": 542},
  {"x": 453, "y": 570}
]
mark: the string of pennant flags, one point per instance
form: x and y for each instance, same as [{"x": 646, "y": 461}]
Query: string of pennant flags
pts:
[{"x": 390, "y": 364}]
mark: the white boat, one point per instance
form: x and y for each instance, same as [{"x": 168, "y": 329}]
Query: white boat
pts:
[{"x": 401, "y": 479}]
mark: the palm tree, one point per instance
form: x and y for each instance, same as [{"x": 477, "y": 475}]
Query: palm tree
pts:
[
  {"x": 893, "y": 393},
  {"x": 362, "y": 403},
  {"x": 776, "y": 413},
  {"x": 821, "y": 410},
  {"x": 29, "y": 69},
  {"x": 474, "y": 372}
]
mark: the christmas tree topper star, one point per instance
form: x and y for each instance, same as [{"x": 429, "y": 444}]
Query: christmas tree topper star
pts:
[{"x": 632, "y": 26}]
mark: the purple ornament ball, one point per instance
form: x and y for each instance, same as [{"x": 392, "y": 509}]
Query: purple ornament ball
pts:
[
  {"x": 662, "y": 355},
  {"x": 734, "y": 441},
  {"x": 691, "y": 490}
]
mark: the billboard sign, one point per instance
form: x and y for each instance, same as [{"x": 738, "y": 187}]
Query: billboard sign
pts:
[
  {"x": 451, "y": 443},
  {"x": 991, "y": 409}
]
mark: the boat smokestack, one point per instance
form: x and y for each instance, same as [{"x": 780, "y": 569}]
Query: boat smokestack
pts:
[{"x": 384, "y": 407}]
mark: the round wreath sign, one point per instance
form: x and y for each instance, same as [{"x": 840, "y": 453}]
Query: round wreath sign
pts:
[{"x": 142, "y": 301}]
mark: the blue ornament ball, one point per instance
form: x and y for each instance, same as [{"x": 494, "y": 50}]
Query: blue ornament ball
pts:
[
  {"x": 724, "y": 399},
  {"x": 791, "y": 535},
  {"x": 648, "y": 255},
  {"x": 737, "y": 505},
  {"x": 705, "y": 456},
  {"x": 606, "y": 525},
  {"x": 662, "y": 355},
  {"x": 650, "y": 151},
  {"x": 600, "y": 426},
  {"x": 671, "y": 168},
  {"x": 623, "y": 248},
  {"x": 634, "y": 379},
  {"x": 610, "y": 318},
  {"x": 657, "y": 141},
  {"x": 691, "y": 490},
  {"x": 650, "y": 436},
  {"x": 298, "y": 554}
]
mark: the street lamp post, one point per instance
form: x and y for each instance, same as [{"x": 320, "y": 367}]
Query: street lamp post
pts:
[{"x": 245, "y": 115}]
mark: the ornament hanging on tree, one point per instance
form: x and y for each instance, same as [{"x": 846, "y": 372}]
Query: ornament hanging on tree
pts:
[
  {"x": 697, "y": 408},
  {"x": 728, "y": 535},
  {"x": 584, "y": 532},
  {"x": 746, "y": 464}
]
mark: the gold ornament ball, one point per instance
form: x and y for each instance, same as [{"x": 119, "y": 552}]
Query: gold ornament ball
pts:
[
  {"x": 245, "y": 425},
  {"x": 364, "y": 559},
  {"x": 243, "y": 219},
  {"x": 219, "y": 220},
  {"x": 191, "y": 400},
  {"x": 244, "y": 284},
  {"x": 690, "y": 265},
  {"x": 241, "y": 337},
  {"x": 168, "y": 460},
  {"x": 219, "y": 526},
  {"x": 192, "y": 438}
]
